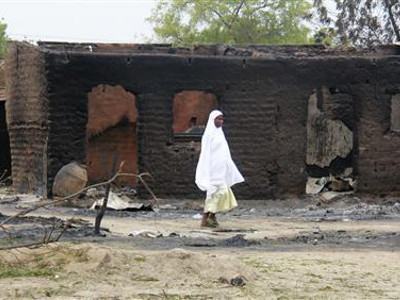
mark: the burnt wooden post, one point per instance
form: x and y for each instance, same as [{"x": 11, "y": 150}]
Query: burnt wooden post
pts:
[{"x": 103, "y": 208}]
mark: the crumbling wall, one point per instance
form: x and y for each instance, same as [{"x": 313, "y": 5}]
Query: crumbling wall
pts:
[
  {"x": 5, "y": 155},
  {"x": 378, "y": 160},
  {"x": 26, "y": 108},
  {"x": 248, "y": 51},
  {"x": 329, "y": 139},
  {"x": 264, "y": 97},
  {"x": 265, "y": 125},
  {"x": 5, "y": 159}
]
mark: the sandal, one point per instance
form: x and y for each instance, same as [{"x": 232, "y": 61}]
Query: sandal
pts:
[
  {"x": 213, "y": 220},
  {"x": 209, "y": 224}
]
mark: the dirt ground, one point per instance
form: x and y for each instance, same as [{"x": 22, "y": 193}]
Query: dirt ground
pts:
[{"x": 304, "y": 248}]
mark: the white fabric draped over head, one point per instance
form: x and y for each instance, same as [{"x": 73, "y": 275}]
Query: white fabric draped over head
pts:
[{"x": 215, "y": 166}]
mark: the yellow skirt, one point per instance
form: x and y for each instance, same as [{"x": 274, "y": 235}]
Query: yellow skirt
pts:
[{"x": 222, "y": 200}]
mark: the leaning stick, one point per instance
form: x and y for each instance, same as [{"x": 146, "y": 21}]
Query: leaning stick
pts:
[{"x": 103, "y": 208}]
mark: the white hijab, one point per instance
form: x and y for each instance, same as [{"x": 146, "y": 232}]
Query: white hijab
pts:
[{"x": 215, "y": 166}]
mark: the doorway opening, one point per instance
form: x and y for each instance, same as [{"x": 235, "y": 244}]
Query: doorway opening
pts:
[{"x": 111, "y": 131}]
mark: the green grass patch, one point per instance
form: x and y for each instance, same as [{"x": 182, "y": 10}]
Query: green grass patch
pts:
[
  {"x": 139, "y": 259},
  {"x": 20, "y": 270}
]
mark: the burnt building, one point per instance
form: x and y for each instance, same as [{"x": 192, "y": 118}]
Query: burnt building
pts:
[{"x": 291, "y": 112}]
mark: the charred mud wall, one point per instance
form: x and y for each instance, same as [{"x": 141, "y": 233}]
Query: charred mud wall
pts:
[
  {"x": 263, "y": 95},
  {"x": 26, "y": 108},
  {"x": 378, "y": 161},
  {"x": 265, "y": 101},
  {"x": 5, "y": 157}
]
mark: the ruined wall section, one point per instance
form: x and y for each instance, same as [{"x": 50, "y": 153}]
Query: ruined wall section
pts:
[
  {"x": 5, "y": 159},
  {"x": 67, "y": 112},
  {"x": 379, "y": 144},
  {"x": 248, "y": 51},
  {"x": 265, "y": 111},
  {"x": 265, "y": 103},
  {"x": 5, "y": 156},
  {"x": 330, "y": 126},
  {"x": 26, "y": 108}
]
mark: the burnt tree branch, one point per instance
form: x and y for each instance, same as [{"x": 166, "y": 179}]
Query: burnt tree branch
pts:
[{"x": 103, "y": 208}]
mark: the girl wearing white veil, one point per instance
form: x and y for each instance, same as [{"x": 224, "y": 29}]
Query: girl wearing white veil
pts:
[{"x": 216, "y": 172}]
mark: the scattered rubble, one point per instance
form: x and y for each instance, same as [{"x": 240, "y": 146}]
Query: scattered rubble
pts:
[
  {"x": 116, "y": 202},
  {"x": 238, "y": 241},
  {"x": 315, "y": 185},
  {"x": 146, "y": 233},
  {"x": 238, "y": 281}
]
